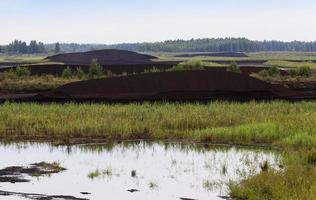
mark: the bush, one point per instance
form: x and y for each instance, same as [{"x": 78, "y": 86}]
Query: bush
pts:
[
  {"x": 188, "y": 65},
  {"x": 233, "y": 67},
  {"x": 108, "y": 73},
  {"x": 304, "y": 71},
  {"x": 273, "y": 71},
  {"x": 22, "y": 71},
  {"x": 152, "y": 70},
  {"x": 95, "y": 70},
  {"x": 80, "y": 73},
  {"x": 67, "y": 73}
]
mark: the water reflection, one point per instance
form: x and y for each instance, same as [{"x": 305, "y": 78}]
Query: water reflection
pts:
[{"x": 157, "y": 170}]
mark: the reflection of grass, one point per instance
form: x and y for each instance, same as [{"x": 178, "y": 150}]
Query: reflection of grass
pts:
[
  {"x": 133, "y": 173},
  {"x": 97, "y": 173},
  {"x": 153, "y": 185}
]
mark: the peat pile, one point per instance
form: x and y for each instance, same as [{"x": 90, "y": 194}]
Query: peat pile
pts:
[
  {"x": 223, "y": 54},
  {"x": 179, "y": 86},
  {"x": 104, "y": 57}
]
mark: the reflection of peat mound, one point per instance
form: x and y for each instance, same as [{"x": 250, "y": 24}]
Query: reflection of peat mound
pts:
[
  {"x": 104, "y": 57},
  {"x": 180, "y": 85},
  {"x": 222, "y": 54}
]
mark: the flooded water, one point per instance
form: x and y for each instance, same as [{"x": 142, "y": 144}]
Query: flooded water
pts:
[{"x": 158, "y": 170}]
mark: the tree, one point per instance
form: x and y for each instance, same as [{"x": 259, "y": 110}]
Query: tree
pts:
[
  {"x": 67, "y": 73},
  {"x": 41, "y": 48},
  {"x": 57, "y": 48},
  {"x": 80, "y": 73},
  {"x": 23, "y": 47},
  {"x": 95, "y": 69},
  {"x": 33, "y": 47}
]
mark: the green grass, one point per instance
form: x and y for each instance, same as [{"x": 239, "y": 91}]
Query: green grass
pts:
[
  {"x": 32, "y": 83},
  {"x": 251, "y": 56},
  {"x": 283, "y": 55},
  {"x": 24, "y": 58},
  {"x": 275, "y": 123},
  {"x": 289, "y": 64},
  {"x": 295, "y": 182}
]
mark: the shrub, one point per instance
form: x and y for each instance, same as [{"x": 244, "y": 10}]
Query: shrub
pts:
[
  {"x": 108, "y": 73},
  {"x": 22, "y": 71},
  {"x": 67, "y": 73},
  {"x": 95, "y": 70},
  {"x": 264, "y": 73},
  {"x": 233, "y": 67},
  {"x": 152, "y": 70},
  {"x": 304, "y": 71},
  {"x": 273, "y": 71},
  {"x": 188, "y": 65},
  {"x": 80, "y": 73}
]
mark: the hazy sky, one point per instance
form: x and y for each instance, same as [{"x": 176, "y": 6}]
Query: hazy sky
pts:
[{"x": 115, "y": 21}]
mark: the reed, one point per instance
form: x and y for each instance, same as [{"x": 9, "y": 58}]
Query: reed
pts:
[{"x": 273, "y": 123}]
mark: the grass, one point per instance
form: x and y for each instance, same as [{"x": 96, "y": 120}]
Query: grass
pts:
[
  {"x": 32, "y": 83},
  {"x": 277, "y": 56},
  {"x": 23, "y": 58},
  {"x": 297, "y": 181},
  {"x": 289, "y": 64},
  {"x": 274, "y": 123}
]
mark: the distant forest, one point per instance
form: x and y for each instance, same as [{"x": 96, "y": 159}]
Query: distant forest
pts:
[{"x": 193, "y": 45}]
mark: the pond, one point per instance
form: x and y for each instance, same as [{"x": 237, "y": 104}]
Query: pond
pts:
[{"x": 133, "y": 170}]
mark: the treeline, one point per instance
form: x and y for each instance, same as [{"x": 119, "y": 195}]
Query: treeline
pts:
[
  {"x": 21, "y": 47},
  {"x": 219, "y": 45},
  {"x": 193, "y": 45}
]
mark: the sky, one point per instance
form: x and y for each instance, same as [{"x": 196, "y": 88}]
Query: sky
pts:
[{"x": 118, "y": 21}]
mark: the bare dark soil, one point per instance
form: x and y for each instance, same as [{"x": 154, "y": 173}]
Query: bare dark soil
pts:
[
  {"x": 223, "y": 54},
  {"x": 200, "y": 85},
  {"x": 16, "y": 174},
  {"x": 104, "y": 57},
  {"x": 39, "y": 196},
  {"x": 180, "y": 85}
]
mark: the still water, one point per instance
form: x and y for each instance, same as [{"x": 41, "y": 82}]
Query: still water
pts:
[{"x": 160, "y": 171}]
